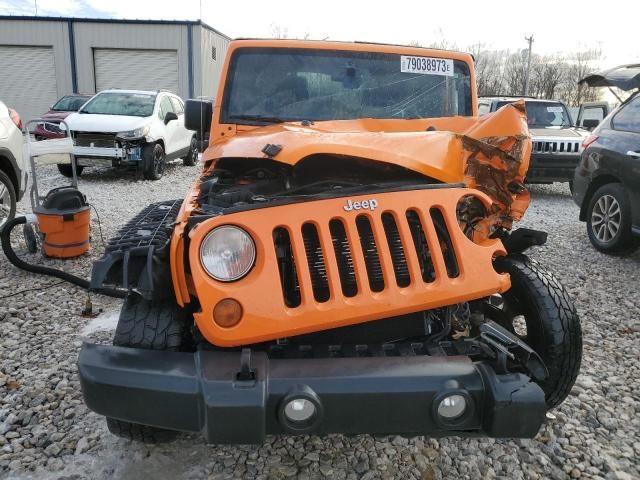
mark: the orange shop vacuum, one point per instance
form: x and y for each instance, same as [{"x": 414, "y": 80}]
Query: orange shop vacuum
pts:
[{"x": 62, "y": 216}]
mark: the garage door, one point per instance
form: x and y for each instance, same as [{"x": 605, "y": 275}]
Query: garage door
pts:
[
  {"x": 136, "y": 69},
  {"x": 28, "y": 79}
]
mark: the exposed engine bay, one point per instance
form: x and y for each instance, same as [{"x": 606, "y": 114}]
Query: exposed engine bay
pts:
[{"x": 236, "y": 183}]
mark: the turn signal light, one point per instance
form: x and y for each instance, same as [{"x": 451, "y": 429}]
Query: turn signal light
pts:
[
  {"x": 15, "y": 117},
  {"x": 227, "y": 313},
  {"x": 589, "y": 140}
]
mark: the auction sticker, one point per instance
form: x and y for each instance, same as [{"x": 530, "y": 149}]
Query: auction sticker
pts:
[
  {"x": 555, "y": 109},
  {"x": 426, "y": 65}
]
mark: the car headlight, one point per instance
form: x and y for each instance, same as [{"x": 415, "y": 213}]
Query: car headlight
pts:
[
  {"x": 137, "y": 133},
  {"x": 227, "y": 253}
]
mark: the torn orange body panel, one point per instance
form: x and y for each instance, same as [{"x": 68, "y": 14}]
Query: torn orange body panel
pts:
[{"x": 489, "y": 155}]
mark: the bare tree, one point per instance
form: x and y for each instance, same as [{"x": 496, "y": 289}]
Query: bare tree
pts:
[{"x": 278, "y": 31}]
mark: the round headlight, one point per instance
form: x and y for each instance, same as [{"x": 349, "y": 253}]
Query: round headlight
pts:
[{"x": 227, "y": 253}]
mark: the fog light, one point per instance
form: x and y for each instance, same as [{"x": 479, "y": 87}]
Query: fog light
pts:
[
  {"x": 299, "y": 410},
  {"x": 227, "y": 313},
  {"x": 452, "y": 407}
]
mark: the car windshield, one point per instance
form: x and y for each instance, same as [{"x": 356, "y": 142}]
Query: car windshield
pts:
[
  {"x": 545, "y": 114},
  {"x": 116, "y": 103},
  {"x": 69, "y": 103},
  {"x": 282, "y": 84}
]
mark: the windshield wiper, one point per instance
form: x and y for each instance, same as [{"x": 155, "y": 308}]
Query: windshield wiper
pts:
[{"x": 258, "y": 118}]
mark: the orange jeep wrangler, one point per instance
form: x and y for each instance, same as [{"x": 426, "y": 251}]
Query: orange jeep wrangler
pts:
[{"x": 344, "y": 263}]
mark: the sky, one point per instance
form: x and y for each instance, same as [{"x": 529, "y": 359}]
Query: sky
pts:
[{"x": 557, "y": 26}]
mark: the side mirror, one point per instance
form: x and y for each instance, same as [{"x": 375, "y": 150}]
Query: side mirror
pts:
[
  {"x": 170, "y": 116},
  {"x": 197, "y": 115},
  {"x": 590, "y": 123}
]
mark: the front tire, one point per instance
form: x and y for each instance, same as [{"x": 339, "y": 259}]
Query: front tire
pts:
[
  {"x": 153, "y": 161},
  {"x": 149, "y": 325},
  {"x": 192, "y": 157},
  {"x": 609, "y": 220},
  {"x": 8, "y": 199},
  {"x": 539, "y": 310}
]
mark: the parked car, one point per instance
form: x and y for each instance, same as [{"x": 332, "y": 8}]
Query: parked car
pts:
[
  {"x": 345, "y": 263},
  {"x": 607, "y": 180},
  {"x": 59, "y": 111},
  {"x": 135, "y": 129},
  {"x": 556, "y": 141},
  {"x": 13, "y": 174}
]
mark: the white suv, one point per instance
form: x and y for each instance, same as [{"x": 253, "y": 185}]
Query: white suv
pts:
[
  {"x": 131, "y": 128},
  {"x": 13, "y": 175}
]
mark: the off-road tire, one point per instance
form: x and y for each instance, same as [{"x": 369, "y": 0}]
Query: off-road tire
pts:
[
  {"x": 552, "y": 324},
  {"x": 67, "y": 171},
  {"x": 6, "y": 183},
  {"x": 150, "y": 325},
  {"x": 153, "y": 161},
  {"x": 623, "y": 242},
  {"x": 191, "y": 158}
]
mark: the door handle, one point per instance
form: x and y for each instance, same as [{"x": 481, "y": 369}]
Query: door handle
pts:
[{"x": 631, "y": 153}]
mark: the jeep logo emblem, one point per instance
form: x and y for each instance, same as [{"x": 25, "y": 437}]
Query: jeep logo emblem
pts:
[{"x": 363, "y": 205}]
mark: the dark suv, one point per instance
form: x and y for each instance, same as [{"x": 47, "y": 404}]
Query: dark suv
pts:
[{"x": 607, "y": 181}]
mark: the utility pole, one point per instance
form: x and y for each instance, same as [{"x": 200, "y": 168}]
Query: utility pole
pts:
[
  {"x": 526, "y": 78},
  {"x": 35, "y": 2}
]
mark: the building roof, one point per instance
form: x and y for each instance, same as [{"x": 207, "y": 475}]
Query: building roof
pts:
[{"x": 113, "y": 20}]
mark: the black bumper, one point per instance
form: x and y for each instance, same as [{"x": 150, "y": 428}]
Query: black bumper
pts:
[
  {"x": 381, "y": 395},
  {"x": 547, "y": 168}
]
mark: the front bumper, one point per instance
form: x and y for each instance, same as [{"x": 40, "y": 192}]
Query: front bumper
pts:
[
  {"x": 202, "y": 392},
  {"x": 547, "y": 168}
]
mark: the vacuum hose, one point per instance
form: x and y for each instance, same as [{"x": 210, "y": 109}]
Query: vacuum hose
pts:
[{"x": 5, "y": 236}]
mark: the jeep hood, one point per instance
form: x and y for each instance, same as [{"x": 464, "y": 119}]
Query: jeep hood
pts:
[
  {"x": 490, "y": 153},
  {"x": 87, "y": 122},
  {"x": 570, "y": 132}
]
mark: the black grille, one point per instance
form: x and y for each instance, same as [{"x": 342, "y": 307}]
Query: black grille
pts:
[
  {"x": 90, "y": 139},
  {"x": 387, "y": 226}
]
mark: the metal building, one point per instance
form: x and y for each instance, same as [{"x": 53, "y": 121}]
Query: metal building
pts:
[{"x": 44, "y": 58}]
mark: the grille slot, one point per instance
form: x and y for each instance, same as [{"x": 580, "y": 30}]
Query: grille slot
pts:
[
  {"x": 316, "y": 262},
  {"x": 370, "y": 252},
  {"x": 287, "y": 268},
  {"x": 446, "y": 245},
  {"x": 398, "y": 260},
  {"x": 344, "y": 258},
  {"x": 99, "y": 140},
  {"x": 422, "y": 248}
]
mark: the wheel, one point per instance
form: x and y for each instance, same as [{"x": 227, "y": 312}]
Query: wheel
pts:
[
  {"x": 538, "y": 310},
  {"x": 7, "y": 199},
  {"x": 30, "y": 238},
  {"x": 192, "y": 157},
  {"x": 153, "y": 161},
  {"x": 609, "y": 220},
  {"x": 67, "y": 171},
  {"x": 149, "y": 325}
]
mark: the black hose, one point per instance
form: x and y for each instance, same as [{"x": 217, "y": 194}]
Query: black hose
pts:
[{"x": 5, "y": 237}]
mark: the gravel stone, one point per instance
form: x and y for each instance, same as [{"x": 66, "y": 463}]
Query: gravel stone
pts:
[{"x": 47, "y": 432}]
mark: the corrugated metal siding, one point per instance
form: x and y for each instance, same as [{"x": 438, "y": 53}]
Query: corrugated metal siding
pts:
[
  {"x": 208, "y": 68},
  {"x": 90, "y": 36},
  {"x": 136, "y": 69},
  {"x": 51, "y": 34},
  {"x": 30, "y": 86}
]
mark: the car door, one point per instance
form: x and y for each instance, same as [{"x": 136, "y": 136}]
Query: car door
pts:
[
  {"x": 620, "y": 153},
  {"x": 183, "y": 136},
  {"x": 171, "y": 127}
]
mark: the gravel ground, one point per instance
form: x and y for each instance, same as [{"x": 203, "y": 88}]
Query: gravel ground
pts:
[{"x": 47, "y": 432}]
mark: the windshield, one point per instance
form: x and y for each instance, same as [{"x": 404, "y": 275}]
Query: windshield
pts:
[
  {"x": 116, "y": 103},
  {"x": 544, "y": 114},
  {"x": 282, "y": 84},
  {"x": 69, "y": 104}
]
